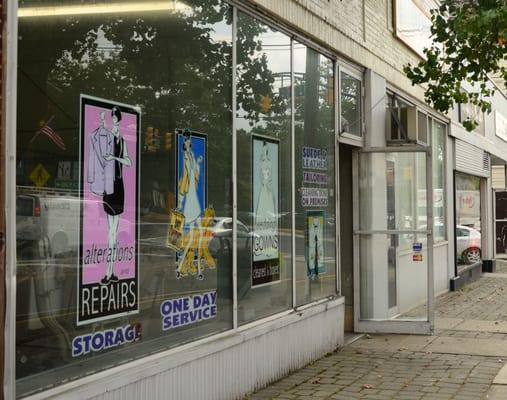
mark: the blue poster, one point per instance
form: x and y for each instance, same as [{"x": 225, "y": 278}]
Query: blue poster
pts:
[
  {"x": 191, "y": 173},
  {"x": 191, "y": 222}
]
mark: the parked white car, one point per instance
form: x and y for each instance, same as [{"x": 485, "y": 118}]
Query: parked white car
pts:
[
  {"x": 222, "y": 228},
  {"x": 468, "y": 244}
]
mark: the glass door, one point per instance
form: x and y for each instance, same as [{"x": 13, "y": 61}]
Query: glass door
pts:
[{"x": 393, "y": 240}]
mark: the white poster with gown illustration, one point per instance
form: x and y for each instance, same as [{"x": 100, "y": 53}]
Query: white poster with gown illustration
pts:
[{"x": 265, "y": 257}]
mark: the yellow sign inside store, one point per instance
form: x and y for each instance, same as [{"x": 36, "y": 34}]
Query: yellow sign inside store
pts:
[{"x": 40, "y": 176}]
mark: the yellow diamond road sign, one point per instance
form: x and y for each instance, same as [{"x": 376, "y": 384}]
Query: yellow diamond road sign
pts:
[{"x": 40, "y": 175}]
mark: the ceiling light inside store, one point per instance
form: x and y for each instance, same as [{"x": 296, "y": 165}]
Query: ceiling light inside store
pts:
[{"x": 128, "y": 7}]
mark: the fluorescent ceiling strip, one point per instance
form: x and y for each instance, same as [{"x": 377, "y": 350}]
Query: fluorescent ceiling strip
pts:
[{"x": 54, "y": 11}]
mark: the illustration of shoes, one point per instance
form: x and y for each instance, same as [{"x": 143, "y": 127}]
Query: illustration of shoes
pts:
[
  {"x": 113, "y": 278},
  {"x": 105, "y": 280},
  {"x": 178, "y": 274}
]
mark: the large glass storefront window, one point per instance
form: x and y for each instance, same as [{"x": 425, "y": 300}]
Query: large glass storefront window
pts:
[
  {"x": 123, "y": 183},
  {"x": 315, "y": 180},
  {"x": 468, "y": 219},
  {"x": 125, "y": 186},
  {"x": 264, "y": 174}
]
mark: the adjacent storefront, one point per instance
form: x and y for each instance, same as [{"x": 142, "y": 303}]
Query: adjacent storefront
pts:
[
  {"x": 468, "y": 220},
  {"x": 472, "y": 212}
]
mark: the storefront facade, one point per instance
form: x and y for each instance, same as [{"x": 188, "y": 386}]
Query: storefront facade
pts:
[
  {"x": 478, "y": 175},
  {"x": 401, "y": 233},
  {"x": 175, "y": 200},
  {"x": 209, "y": 193}
]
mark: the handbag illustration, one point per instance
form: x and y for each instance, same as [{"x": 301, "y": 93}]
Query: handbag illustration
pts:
[{"x": 175, "y": 230}]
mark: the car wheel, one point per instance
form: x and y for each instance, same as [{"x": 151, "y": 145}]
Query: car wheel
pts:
[{"x": 472, "y": 255}]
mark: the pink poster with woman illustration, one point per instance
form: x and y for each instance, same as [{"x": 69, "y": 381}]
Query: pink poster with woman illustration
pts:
[{"x": 108, "y": 262}]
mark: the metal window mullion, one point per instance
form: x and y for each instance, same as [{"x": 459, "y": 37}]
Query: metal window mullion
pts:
[
  {"x": 293, "y": 173},
  {"x": 10, "y": 40},
  {"x": 337, "y": 129},
  {"x": 445, "y": 163},
  {"x": 234, "y": 176},
  {"x": 429, "y": 226},
  {"x": 455, "y": 215},
  {"x": 338, "y": 105},
  {"x": 356, "y": 240},
  {"x": 415, "y": 188},
  {"x": 392, "y": 231}
]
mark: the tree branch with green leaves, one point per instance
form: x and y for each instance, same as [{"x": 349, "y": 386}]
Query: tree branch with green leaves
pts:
[{"x": 469, "y": 43}]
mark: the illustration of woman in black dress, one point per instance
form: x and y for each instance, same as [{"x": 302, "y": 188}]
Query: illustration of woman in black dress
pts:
[
  {"x": 114, "y": 202},
  {"x": 316, "y": 257}
]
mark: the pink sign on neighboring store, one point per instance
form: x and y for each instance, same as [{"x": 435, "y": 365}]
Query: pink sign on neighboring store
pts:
[{"x": 108, "y": 262}]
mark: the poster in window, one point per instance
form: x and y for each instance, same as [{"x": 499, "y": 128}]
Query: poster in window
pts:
[
  {"x": 191, "y": 222},
  {"x": 265, "y": 254},
  {"x": 108, "y": 278},
  {"x": 315, "y": 244}
]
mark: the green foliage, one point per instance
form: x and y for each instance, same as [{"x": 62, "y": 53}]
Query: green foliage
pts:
[{"x": 469, "y": 42}]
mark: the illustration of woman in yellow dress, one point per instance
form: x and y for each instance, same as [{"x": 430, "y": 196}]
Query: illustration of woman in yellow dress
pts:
[{"x": 195, "y": 239}]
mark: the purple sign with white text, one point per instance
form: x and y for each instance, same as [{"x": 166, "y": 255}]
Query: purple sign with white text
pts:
[{"x": 108, "y": 262}]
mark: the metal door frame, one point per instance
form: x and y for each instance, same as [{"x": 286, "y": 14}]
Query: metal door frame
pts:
[
  {"x": 495, "y": 220},
  {"x": 394, "y": 309},
  {"x": 392, "y": 325}
]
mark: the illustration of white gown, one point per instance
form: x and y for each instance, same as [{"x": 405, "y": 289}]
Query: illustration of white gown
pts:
[
  {"x": 192, "y": 208},
  {"x": 266, "y": 211}
]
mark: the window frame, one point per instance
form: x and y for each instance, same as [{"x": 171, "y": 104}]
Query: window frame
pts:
[
  {"x": 357, "y": 140},
  {"x": 445, "y": 162}
]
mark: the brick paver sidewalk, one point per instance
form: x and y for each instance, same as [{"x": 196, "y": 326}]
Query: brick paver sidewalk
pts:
[
  {"x": 356, "y": 372},
  {"x": 376, "y": 367}
]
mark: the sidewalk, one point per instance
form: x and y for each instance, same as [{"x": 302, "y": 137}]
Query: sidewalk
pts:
[{"x": 461, "y": 361}]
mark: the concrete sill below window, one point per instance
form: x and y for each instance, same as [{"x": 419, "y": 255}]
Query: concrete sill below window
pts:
[{"x": 144, "y": 368}]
